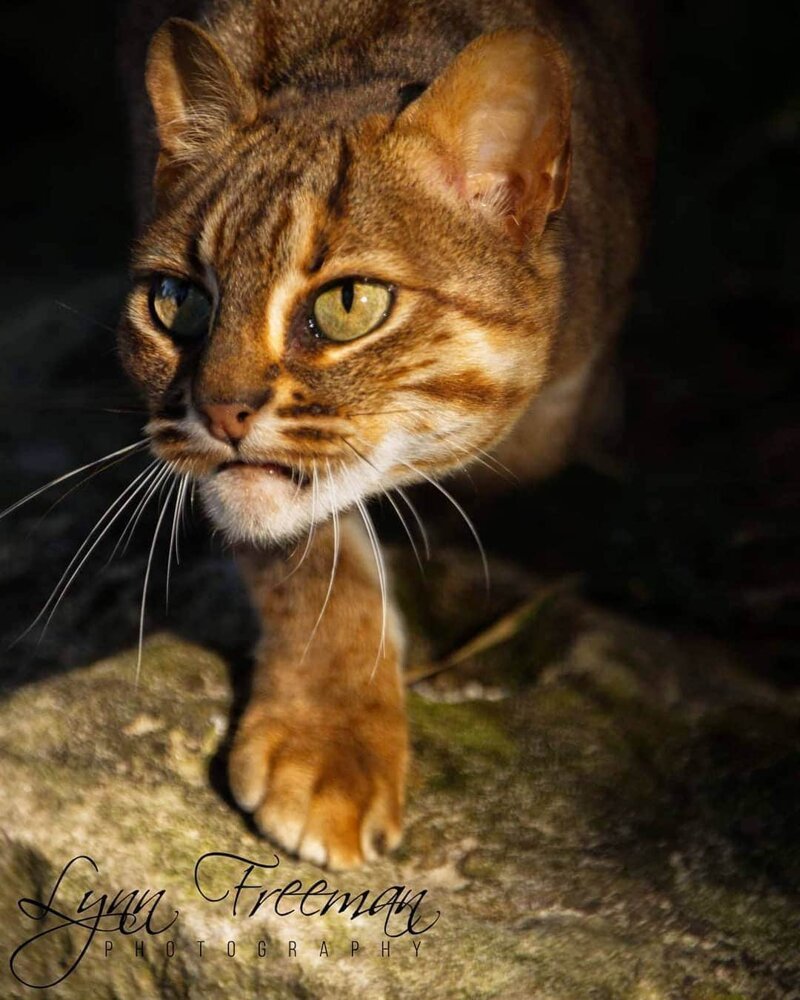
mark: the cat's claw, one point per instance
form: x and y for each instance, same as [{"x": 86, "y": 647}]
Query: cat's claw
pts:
[{"x": 328, "y": 792}]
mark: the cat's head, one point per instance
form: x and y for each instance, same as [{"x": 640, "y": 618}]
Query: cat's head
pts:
[{"x": 327, "y": 306}]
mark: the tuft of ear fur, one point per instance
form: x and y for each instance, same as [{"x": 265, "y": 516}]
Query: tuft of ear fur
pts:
[
  {"x": 195, "y": 90},
  {"x": 499, "y": 116}
]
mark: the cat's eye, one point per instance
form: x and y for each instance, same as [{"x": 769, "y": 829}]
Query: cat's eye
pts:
[
  {"x": 180, "y": 308},
  {"x": 351, "y": 309}
]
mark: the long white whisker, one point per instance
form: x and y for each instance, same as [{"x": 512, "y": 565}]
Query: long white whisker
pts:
[
  {"x": 391, "y": 500},
  {"x": 160, "y": 520},
  {"x": 173, "y": 535},
  {"x": 499, "y": 466},
  {"x": 415, "y": 514},
  {"x": 126, "y": 535},
  {"x": 381, "y": 568},
  {"x": 83, "y": 482},
  {"x": 311, "y": 527},
  {"x": 334, "y": 563},
  {"x": 57, "y": 594},
  {"x": 69, "y": 475},
  {"x": 406, "y": 528},
  {"x": 185, "y": 506},
  {"x": 460, "y": 510},
  {"x": 82, "y": 563}
]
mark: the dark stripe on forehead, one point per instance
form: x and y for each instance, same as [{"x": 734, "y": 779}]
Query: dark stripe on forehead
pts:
[
  {"x": 337, "y": 196},
  {"x": 282, "y": 222},
  {"x": 250, "y": 208},
  {"x": 225, "y": 173}
]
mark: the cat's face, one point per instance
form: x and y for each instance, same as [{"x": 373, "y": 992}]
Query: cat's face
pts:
[{"x": 324, "y": 310}]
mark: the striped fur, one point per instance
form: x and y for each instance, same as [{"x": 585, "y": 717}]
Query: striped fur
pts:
[{"x": 304, "y": 143}]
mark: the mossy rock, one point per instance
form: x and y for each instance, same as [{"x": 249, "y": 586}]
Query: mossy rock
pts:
[{"x": 589, "y": 834}]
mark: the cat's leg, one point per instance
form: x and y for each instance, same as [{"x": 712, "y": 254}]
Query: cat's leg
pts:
[{"x": 321, "y": 752}]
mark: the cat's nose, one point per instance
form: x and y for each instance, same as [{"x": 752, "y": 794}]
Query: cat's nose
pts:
[{"x": 228, "y": 422}]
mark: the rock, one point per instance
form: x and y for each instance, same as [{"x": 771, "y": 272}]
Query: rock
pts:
[{"x": 618, "y": 822}]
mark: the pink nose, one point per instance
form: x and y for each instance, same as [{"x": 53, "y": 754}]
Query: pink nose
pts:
[{"x": 228, "y": 422}]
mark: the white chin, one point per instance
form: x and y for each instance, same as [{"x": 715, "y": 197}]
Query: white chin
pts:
[{"x": 252, "y": 505}]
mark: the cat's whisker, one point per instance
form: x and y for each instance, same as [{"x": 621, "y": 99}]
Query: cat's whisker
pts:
[
  {"x": 391, "y": 500},
  {"x": 100, "y": 537},
  {"x": 173, "y": 535},
  {"x": 312, "y": 527},
  {"x": 406, "y": 528},
  {"x": 500, "y": 466},
  {"x": 162, "y": 514},
  {"x": 87, "y": 318},
  {"x": 127, "y": 533},
  {"x": 334, "y": 562},
  {"x": 185, "y": 505},
  {"x": 415, "y": 514},
  {"x": 461, "y": 511},
  {"x": 58, "y": 592},
  {"x": 391, "y": 413},
  {"x": 498, "y": 469},
  {"x": 488, "y": 460},
  {"x": 83, "y": 482},
  {"x": 381, "y": 568},
  {"x": 129, "y": 449}
]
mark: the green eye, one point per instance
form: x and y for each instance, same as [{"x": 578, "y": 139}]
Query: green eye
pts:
[
  {"x": 179, "y": 307},
  {"x": 351, "y": 309}
]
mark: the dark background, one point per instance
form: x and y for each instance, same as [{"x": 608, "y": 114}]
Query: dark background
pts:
[{"x": 688, "y": 523}]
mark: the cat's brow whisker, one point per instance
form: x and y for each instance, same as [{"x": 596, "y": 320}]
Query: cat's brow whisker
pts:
[
  {"x": 128, "y": 449},
  {"x": 149, "y": 566},
  {"x": 334, "y": 561},
  {"x": 461, "y": 511}
]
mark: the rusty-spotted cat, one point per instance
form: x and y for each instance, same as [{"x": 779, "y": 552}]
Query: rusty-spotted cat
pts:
[{"x": 384, "y": 240}]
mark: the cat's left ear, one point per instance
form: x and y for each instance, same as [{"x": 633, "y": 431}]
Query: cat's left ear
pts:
[
  {"x": 195, "y": 90},
  {"x": 499, "y": 116}
]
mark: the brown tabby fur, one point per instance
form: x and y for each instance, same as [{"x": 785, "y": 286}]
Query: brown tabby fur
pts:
[{"x": 288, "y": 160}]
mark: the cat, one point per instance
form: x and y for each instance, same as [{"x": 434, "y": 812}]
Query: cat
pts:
[{"x": 384, "y": 240}]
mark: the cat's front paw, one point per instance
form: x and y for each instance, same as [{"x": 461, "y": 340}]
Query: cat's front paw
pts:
[{"x": 322, "y": 781}]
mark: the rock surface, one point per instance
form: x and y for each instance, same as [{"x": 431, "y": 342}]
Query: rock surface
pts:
[{"x": 597, "y": 810}]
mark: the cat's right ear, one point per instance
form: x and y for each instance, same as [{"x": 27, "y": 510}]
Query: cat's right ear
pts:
[
  {"x": 499, "y": 120},
  {"x": 195, "y": 90}
]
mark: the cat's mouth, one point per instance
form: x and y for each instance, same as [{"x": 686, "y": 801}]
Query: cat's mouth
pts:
[{"x": 274, "y": 469}]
